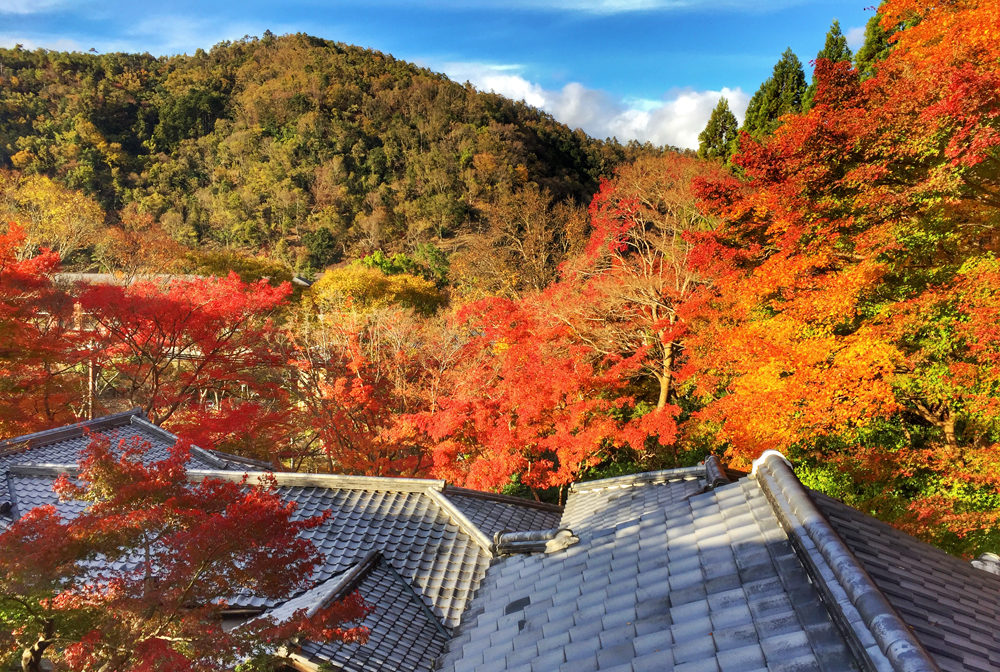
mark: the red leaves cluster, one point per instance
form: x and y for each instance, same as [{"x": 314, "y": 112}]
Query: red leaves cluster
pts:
[
  {"x": 531, "y": 401},
  {"x": 139, "y": 579},
  {"x": 33, "y": 335},
  {"x": 169, "y": 346}
]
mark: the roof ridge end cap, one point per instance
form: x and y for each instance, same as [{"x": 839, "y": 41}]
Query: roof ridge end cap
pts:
[{"x": 762, "y": 460}]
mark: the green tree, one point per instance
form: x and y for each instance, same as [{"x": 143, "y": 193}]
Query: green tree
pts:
[
  {"x": 781, "y": 94},
  {"x": 875, "y": 48},
  {"x": 718, "y": 140},
  {"x": 834, "y": 50}
]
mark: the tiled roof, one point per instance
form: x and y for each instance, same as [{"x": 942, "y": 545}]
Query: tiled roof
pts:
[
  {"x": 672, "y": 580},
  {"x": 496, "y": 513},
  {"x": 431, "y": 552},
  {"x": 29, "y": 491},
  {"x": 605, "y": 503},
  {"x": 63, "y": 445},
  {"x": 672, "y": 570},
  {"x": 415, "y": 536},
  {"x": 403, "y": 634},
  {"x": 953, "y": 608}
]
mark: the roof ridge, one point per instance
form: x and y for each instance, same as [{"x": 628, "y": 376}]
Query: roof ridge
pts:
[
  {"x": 341, "y": 481},
  {"x": 332, "y": 589},
  {"x": 237, "y": 459},
  {"x": 168, "y": 436},
  {"x": 43, "y": 469},
  {"x": 502, "y": 499},
  {"x": 641, "y": 478},
  {"x": 459, "y": 518},
  {"x": 48, "y": 436},
  {"x": 808, "y": 528},
  {"x": 283, "y": 478},
  {"x": 348, "y": 581}
]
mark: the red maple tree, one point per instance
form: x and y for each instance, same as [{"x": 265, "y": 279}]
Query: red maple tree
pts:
[
  {"x": 37, "y": 388},
  {"x": 185, "y": 346},
  {"x": 140, "y": 577}
]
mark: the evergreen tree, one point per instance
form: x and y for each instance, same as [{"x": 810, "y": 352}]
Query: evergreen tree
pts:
[
  {"x": 781, "y": 94},
  {"x": 718, "y": 140},
  {"x": 875, "y": 48},
  {"x": 834, "y": 50}
]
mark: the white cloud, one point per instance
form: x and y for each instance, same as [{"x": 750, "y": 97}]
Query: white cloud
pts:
[
  {"x": 677, "y": 119},
  {"x": 173, "y": 34},
  {"x": 622, "y": 6},
  {"x": 55, "y": 44},
  {"x": 855, "y": 37},
  {"x": 31, "y": 6}
]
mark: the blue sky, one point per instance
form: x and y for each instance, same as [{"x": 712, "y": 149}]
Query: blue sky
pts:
[{"x": 636, "y": 69}]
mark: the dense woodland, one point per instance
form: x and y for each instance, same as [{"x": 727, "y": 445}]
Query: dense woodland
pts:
[
  {"x": 507, "y": 303},
  {"x": 304, "y": 151}
]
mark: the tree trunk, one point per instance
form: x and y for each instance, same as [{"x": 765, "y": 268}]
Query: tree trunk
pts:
[
  {"x": 667, "y": 378},
  {"x": 940, "y": 416},
  {"x": 31, "y": 659}
]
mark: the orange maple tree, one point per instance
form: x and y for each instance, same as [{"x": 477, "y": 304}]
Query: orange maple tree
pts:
[{"x": 853, "y": 327}]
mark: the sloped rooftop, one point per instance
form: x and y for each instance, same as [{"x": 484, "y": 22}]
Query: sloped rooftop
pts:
[
  {"x": 672, "y": 570},
  {"x": 30, "y": 484},
  {"x": 665, "y": 576},
  {"x": 430, "y": 550},
  {"x": 952, "y": 607}
]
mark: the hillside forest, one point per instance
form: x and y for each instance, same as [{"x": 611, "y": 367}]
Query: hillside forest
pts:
[{"x": 484, "y": 295}]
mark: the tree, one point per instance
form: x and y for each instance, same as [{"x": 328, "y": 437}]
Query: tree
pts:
[
  {"x": 140, "y": 577},
  {"x": 853, "y": 329},
  {"x": 50, "y": 215},
  {"x": 527, "y": 401},
  {"x": 835, "y": 50},
  {"x": 363, "y": 288},
  {"x": 718, "y": 140},
  {"x": 183, "y": 345},
  {"x": 558, "y": 381},
  {"x": 354, "y": 379},
  {"x": 528, "y": 236},
  {"x": 639, "y": 286},
  {"x": 781, "y": 94},
  {"x": 875, "y": 48},
  {"x": 37, "y": 342},
  {"x": 137, "y": 247}
]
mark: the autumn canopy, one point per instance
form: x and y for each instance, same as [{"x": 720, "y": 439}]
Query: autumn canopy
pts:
[{"x": 825, "y": 284}]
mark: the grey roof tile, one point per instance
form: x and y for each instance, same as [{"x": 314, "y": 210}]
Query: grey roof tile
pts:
[
  {"x": 658, "y": 661},
  {"x": 664, "y": 577},
  {"x": 936, "y": 594},
  {"x": 400, "y": 630},
  {"x": 749, "y": 657},
  {"x": 588, "y": 665}
]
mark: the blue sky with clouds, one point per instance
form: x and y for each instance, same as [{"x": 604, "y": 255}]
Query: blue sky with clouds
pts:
[{"x": 636, "y": 69}]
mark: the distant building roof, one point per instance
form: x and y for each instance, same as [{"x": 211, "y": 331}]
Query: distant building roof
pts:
[{"x": 671, "y": 570}]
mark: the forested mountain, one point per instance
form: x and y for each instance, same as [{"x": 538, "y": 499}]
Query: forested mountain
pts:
[
  {"x": 825, "y": 284},
  {"x": 304, "y": 149}
]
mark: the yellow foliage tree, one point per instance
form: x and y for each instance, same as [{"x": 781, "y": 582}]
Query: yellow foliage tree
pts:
[
  {"x": 366, "y": 289},
  {"x": 51, "y": 215}
]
